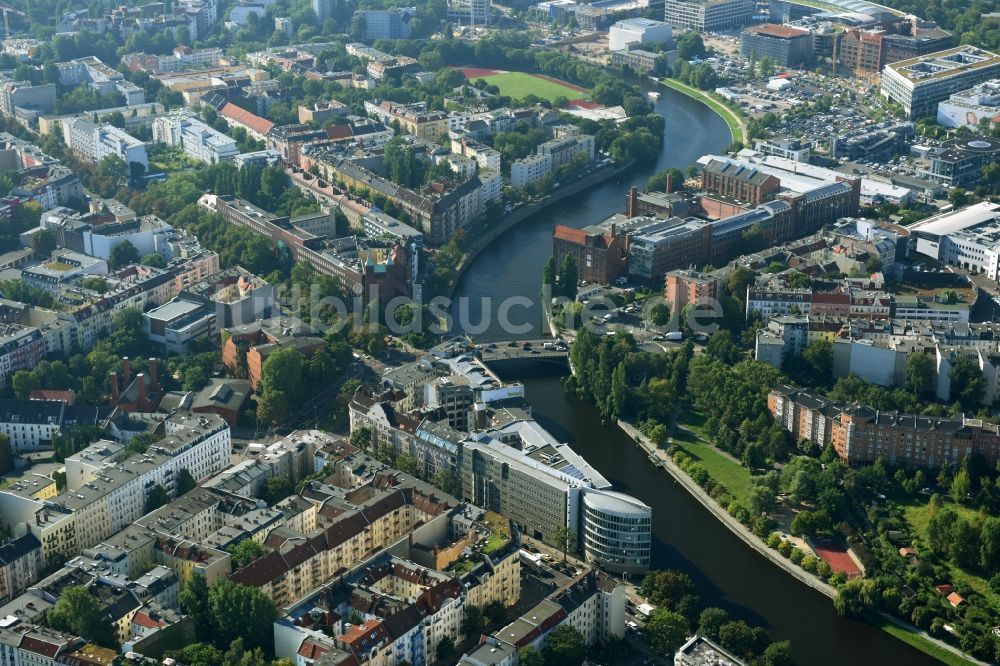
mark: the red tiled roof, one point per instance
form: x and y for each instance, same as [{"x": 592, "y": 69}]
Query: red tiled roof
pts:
[
  {"x": 243, "y": 117},
  {"x": 955, "y": 599},
  {"x": 311, "y": 650},
  {"x": 143, "y": 620},
  {"x": 774, "y": 30},
  {"x": 562, "y": 232},
  {"x": 335, "y": 132}
]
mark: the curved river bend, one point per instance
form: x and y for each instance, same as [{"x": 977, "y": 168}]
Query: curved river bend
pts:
[{"x": 686, "y": 537}]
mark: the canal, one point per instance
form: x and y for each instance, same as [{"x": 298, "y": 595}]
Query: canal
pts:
[
  {"x": 686, "y": 537},
  {"x": 512, "y": 266}
]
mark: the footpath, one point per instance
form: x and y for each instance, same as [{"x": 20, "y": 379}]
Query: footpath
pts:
[
  {"x": 661, "y": 459},
  {"x": 912, "y": 635}
]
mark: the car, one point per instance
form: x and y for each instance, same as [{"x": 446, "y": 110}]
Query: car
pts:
[{"x": 512, "y": 343}]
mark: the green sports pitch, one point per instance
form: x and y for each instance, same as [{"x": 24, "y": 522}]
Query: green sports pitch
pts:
[{"x": 519, "y": 85}]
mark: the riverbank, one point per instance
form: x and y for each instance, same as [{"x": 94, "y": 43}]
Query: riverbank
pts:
[
  {"x": 893, "y": 626},
  {"x": 523, "y": 213},
  {"x": 662, "y": 460},
  {"x": 737, "y": 126}
]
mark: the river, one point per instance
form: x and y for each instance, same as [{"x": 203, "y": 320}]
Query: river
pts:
[
  {"x": 686, "y": 537},
  {"x": 512, "y": 266}
]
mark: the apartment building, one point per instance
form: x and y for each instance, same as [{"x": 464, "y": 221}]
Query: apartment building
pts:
[
  {"x": 689, "y": 286},
  {"x": 709, "y": 16},
  {"x": 100, "y": 77},
  {"x": 919, "y": 84},
  {"x": 529, "y": 169},
  {"x": 356, "y": 522},
  {"x": 862, "y": 434},
  {"x": 21, "y": 564},
  {"x": 739, "y": 181},
  {"x": 16, "y": 95},
  {"x": 182, "y": 57},
  {"x": 21, "y": 348},
  {"x": 198, "y": 141},
  {"x": 565, "y": 150},
  {"x": 593, "y": 603},
  {"x": 94, "y": 142},
  {"x": 415, "y": 119},
  {"x": 104, "y": 496}
]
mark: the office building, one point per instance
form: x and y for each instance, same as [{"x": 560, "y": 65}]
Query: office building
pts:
[
  {"x": 865, "y": 51},
  {"x": 639, "y": 31},
  {"x": 600, "y": 252},
  {"x": 386, "y": 23},
  {"x": 786, "y": 46},
  {"x": 196, "y": 139},
  {"x": 960, "y": 162},
  {"x": 708, "y": 16},
  {"x": 969, "y": 108},
  {"x": 919, "y": 84}
]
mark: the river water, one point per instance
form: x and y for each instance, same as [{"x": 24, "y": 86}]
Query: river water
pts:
[
  {"x": 686, "y": 537},
  {"x": 512, "y": 266}
]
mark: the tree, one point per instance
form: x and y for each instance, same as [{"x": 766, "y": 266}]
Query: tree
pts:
[
  {"x": 446, "y": 481},
  {"x": 855, "y": 597},
  {"x": 245, "y": 552},
  {"x": 665, "y": 631},
  {"x": 157, "y": 497},
  {"x": 966, "y": 381},
  {"x": 961, "y": 486},
  {"x": 43, "y": 243},
  {"x": 128, "y": 334},
  {"x": 495, "y": 613},
  {"x": 568, "y": 277},
  {"x": 446, "y": 647},
  {"x": 194, "y": 601},
  {"x": 472, "y": 623},
  {"x": 79, "y": 612},
  {"x": 529, "y": 656},
  {"x": 241, "y": 611},
  {"x": 565, "y": 647},
  {"x": 123, "y": 254},
  {"x": 666, "y": 587},
  {"x": 362, "y": 438},
  {"x": 564, "y": 538},
  {"x": 276, "y": 489},
  {"x": 198, "y": 654},
  {"x": 24, "y": 382},
  {"x": 777, "y": 654},
  {"x": 184, "y": 482},
  {"x": 6, "y": 455},
  {"x": 920, "y": 375},
  {"x": 140, "y": 443},
  {"x": 154, "y": 260},
  {"x": 710, "y": 621},
  {"x": 659, "y": 314},
  {"x": 690, "y": 45}
]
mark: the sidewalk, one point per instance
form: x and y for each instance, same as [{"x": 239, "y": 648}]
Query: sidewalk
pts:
[{"x": 735, "y": 526}]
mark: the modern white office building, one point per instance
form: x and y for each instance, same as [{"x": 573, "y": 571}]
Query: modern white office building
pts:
[
  {"x": 920, "y": 83},
  {"x": 184, "y": 130},
  {"x": 968, "y": 107},
  {"x": 708, "y": 16},
  {"x": 639, "y": 31}
]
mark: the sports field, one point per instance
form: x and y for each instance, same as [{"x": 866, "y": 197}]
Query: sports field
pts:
[{"x": 519, "y": 85}]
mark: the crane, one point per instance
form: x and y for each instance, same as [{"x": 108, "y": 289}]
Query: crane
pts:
[{"x": 6, "y": 22}]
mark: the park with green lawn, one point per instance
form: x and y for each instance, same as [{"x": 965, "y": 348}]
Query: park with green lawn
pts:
[{"x": 519, "y": 85}]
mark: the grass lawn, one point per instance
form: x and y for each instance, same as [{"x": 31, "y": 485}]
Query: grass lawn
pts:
[
  {"x": 731, "y": 117},
  {"x": 519, "y": 85},
  {"x": 734, "y": 476},
  {"x": 917, "y": 514},
  {"x": 918, "y": 641}
]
